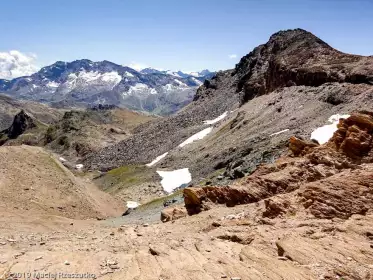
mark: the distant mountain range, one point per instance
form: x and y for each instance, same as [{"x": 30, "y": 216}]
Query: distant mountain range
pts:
[{"x": 85, "y": 83}]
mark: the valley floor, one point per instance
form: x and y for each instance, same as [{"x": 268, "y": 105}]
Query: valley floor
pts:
[{"x": 216, "y": 244}]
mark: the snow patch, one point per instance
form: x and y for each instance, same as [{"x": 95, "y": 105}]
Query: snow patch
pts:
[
  {"x": 157, "y": 159},
  {"x": 137, "y": 87},
  {"x": 111, "y": 77},
  {"x": 216, "y": 119},
  {"x": 174, "y": 179},
  {"x": 169, "y": 72},
  {"x": 324, "y": 133},
  {"x": 180, "y": 83},
  {"x": 132, "y": 204},
  {"x": 62, "y": 159},
  {"x": 52, "y": 84},
  {"x": 79, "y": 166},
  {"x": 93, "y": 78},
  {"x": 195, "y": 74},
  {"x": 168, "y": 87},
  {"x": 198, "y": 82},
  {"x": 128, "y": 74},
  {"x": 198, "y": 136},
  {"x": 282, "y": 131}
]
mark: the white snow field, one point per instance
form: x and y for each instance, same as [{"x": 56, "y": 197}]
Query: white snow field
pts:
[
  {"x": 198, "y": 136},
  {"x": 132, "y": 204},
  {"x": 157, "y": 159},
  {"x": 174, "y": 179},
  {"x": 216, "y": 119},
  {"x": 324, "y": 133},
  {"x": 282, "y": 131}
]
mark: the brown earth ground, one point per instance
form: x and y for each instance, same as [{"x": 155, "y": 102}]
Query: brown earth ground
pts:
[{"x": 220, "y": 243}]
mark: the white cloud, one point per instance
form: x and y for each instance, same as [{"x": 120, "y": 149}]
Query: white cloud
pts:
[
  {"x": 231, "y": 56},
  {"x": 15, "y": 64}
]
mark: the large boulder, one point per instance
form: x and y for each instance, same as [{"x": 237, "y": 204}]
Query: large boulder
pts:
[{"x": 172, "y": 213}]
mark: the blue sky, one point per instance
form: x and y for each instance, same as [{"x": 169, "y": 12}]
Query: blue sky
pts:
[{"x": 170, "y": 34}]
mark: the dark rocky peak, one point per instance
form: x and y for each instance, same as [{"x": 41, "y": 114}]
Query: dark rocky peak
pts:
[
  {"x": 51, "y": 71},
  {"x": 295, "y": 38},
  {"x": 294, "y": 41},
  {"x": 296, "y": 57},
  {"x": 22, "y": 122}
]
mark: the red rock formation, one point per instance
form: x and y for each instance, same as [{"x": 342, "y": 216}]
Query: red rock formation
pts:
[
  {"x": 330, "y": 179},
  {"x": 354, "y": 135}
]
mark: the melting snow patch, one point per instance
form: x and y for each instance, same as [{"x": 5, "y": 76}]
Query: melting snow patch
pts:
[
  {"x": 132, "y": 204},
  {"x": 62, "y": 159},
  {"x": 174, "y": 179},
  {"x": 180, "y": 83},
  {"x": 198, "y": 136},
  {"x": 198, "y": 82},
  {"x": 138, "y": 87},
  {"x": 92, "y": 78},
  {"x": 324, "y": 133},
  {"x": 111, "y": 77},
  {"x": 156, "y": 160},
  {"x": 168, "y": 87},
  {"x": 169, "y": 72},
  {"x": 79, "y": 166},
  {"x": 282, "y": 131},
  {"x": 217, "y": 119}
]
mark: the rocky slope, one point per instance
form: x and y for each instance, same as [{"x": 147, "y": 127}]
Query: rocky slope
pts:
[
  {"x": 84, "y": 82},
  {"x": 289, "y": 86},
  {"x": 69, "y": 133},
  {"x": 35, "y": 184},
  {"x": 309, "y": 215},
  {"x": 9, "y": 107},
  {"x": 331, "y": 180}
]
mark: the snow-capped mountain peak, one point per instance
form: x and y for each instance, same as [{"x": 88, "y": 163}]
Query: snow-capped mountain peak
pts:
[{"x": 85, "y": 82}]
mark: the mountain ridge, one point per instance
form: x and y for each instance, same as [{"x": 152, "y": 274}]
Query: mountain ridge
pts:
[
  {"x": 85, "y": 82},
  {"x": 292, "y": 83}
]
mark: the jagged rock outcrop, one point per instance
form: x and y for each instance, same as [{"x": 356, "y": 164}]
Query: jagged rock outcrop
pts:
[
  {"x": 22, "y": 122},
  {"x": 299, "y": 146},
  {"x": 354, "y": 135},
  {"x": 329, "y": 179}
]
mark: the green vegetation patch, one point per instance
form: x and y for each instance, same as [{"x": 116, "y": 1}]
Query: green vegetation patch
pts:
[
  {"x": 158, "y": 202},
  {"x": 123, "y": 177}
]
